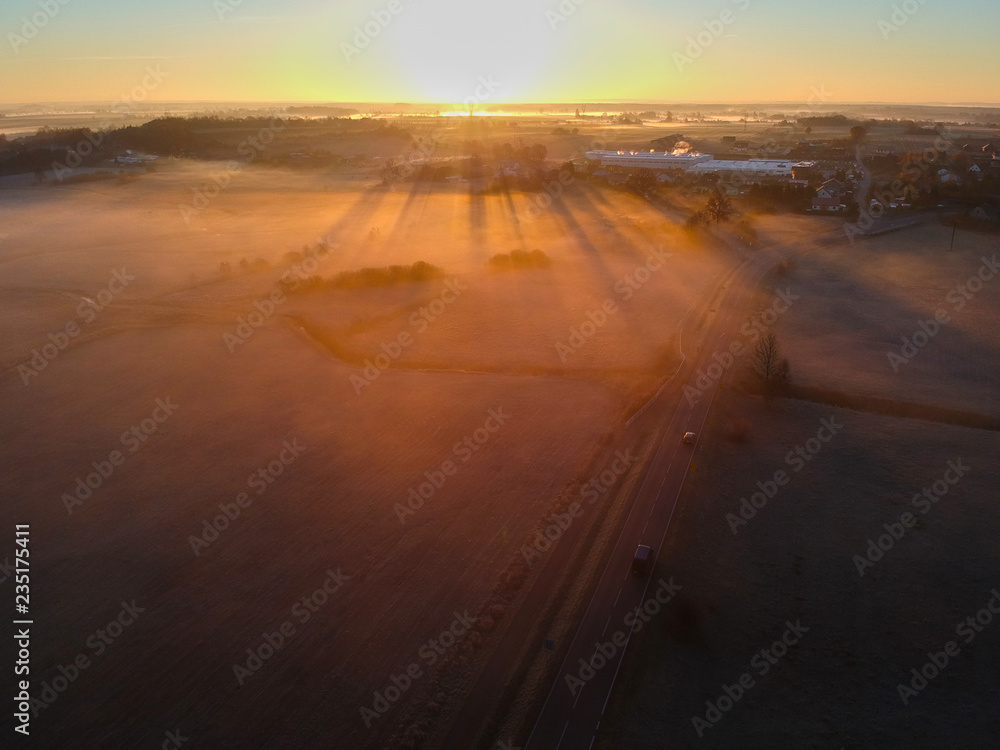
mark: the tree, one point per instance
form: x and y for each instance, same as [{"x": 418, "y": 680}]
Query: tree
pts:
[
  {"x": 769, "y": 365},
  {"x": 537, "y": 153},
  {"x": 719, "y": 208},
  {"x": 857, "y": 133},
  {"x": 389, "y": 171},
  {"x": 643, "y": 182}
]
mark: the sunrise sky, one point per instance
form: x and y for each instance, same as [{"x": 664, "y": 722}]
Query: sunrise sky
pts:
[{"x": 437, "y": 50}]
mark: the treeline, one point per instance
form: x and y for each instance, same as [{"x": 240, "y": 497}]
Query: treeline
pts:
[
  {"x": 828, "y": 121},
  {"x": 193, "y": 137},
  {"x": 369, "y": 277}
]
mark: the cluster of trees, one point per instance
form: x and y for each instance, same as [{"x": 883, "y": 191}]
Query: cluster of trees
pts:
[
  {"x": 534, "y": 154},
  {"x": 642, "y": 182},
  {"x": 196, "y": 137},
  {"x": 827, "y": 121},
  {"x": 369, "y": 277}
]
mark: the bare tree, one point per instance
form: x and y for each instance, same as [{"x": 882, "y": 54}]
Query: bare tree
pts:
[
  {"x": 769, "y": 365},
  {"x": 719, "y": 207}
]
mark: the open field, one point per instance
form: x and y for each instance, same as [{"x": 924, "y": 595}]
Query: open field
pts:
[
  {"x": 441, "y": 421},
  {"x": 839, "y": 687},
  {"x": 793, "y": 561},
  {"x": 860, "y": 301},
  {"x": 293, "y": 381}
]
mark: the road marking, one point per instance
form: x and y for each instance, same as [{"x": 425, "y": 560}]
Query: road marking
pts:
[
  {"x": 562, "y": 735},
  {"x": 577, "y": 700},
  {"x": 606, "y": 625},
  {"x": 746, "y": 264},
  {"x": 617, "y": 597}
]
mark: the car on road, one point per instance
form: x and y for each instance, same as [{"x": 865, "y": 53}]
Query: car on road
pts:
[
  {"x": 688, "y": 438},
  {"x": 640, "y": 563}
]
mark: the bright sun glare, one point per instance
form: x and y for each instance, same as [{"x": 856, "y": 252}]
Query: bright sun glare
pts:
[{"x": 452, "y": 47}]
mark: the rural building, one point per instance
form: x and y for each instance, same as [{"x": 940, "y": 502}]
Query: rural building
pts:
[
  {"x": 694, "y": 163},
  {"x": 748, "y": 169},
  {"x": 985, "y": 213},
  {"x": 649, "y": 159},
  {"x": 829, "y": 197}
]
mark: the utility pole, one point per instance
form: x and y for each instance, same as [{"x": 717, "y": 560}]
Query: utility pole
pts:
[{"x": 954, "y": 230}]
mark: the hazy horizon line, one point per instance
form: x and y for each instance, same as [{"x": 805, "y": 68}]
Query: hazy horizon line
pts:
[{"x": 500, "y": 105}]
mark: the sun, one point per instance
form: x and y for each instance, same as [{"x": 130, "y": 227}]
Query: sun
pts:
[{"x": 457, "y": 51}]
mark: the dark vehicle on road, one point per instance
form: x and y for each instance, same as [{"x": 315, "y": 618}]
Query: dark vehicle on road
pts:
[
  {"x": 688, "y": 438},
  {"x": 640, "y": 563}
]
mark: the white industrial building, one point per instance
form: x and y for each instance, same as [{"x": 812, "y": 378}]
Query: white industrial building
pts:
[
  {"x": 649, "y": 159},
  {"x": 748, "y": 168},
  {"x": 693, "y": 162}
]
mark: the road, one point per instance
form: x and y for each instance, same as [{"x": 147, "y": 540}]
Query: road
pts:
[{"x": 570, "y": 718}]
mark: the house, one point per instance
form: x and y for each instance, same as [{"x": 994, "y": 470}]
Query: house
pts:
[
  {"x": 985, "y": 213},
  {"x": 829, "y": 196},
  {"x": 947, "y": 177},
  {"x": 804, "y": 171}
]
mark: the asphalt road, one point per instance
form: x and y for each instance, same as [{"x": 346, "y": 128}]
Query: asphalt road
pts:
[{"x": 573, "y": 710}]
